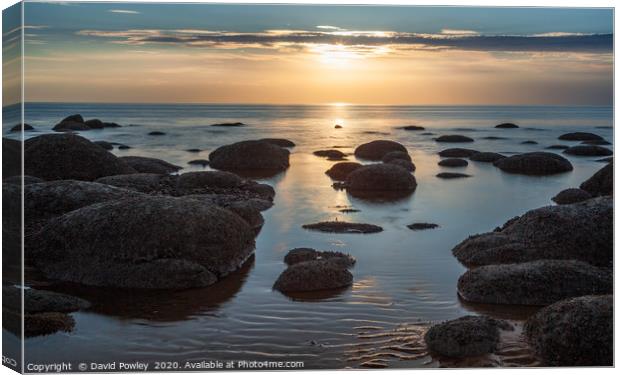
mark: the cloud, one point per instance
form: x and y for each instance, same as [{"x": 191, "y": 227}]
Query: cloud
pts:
[
  {"x": 449, "y": 39},
  {"x": 123, "y": 11}
]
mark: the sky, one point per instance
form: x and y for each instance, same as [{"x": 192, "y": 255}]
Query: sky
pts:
[{"x": 303, "y": 54}]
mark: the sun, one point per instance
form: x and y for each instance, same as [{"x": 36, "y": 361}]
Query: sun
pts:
[{"x": 336, "y": 55}]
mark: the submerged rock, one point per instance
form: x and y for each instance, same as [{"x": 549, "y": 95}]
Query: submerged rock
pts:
[
  {"x": 69, "y": 156},
  {"x": 580, "y": 136},
  {"x": 279, "y": 142},
  {"x": 331, "y": 154},
  {"x": 540, "y": 282},
  {"x": 507, "y": 125},
  {"x": 588, "y": 150},
  {"x": 529, "y": 143},
  {"x": 202, "y": 162},
  {"x": 229, "y": 124},
  {"x": 581, "y": 231},
  {"x": 340, "y": 171},
  {"x": 453, "y": 162},
  {"x": 422, "y": 226},
  {"x": 602, "y": 182},
  {"x": 569, "y": 196},
  {"x": 574, "y": 332},
  {"x": 449, "y": 175},
  {"x": 250, "y": 156},
  {"x": 376, "y": 150},
  {"x": 343, "y": 227},
  {"x": 534, "y": 163},
  {"x": 468, "y": 336},
  {"x": 313, "y": 275},
  {"x": 558, "y": 147},
  {"x": 457, "y": 153},
  {"x": 194, "y": 244},
  {"x": 412, "y": 127},
  {"x": 150, "y": 165},
  {"x": 486, "y": 157},
  {"x": 453, "y": 138},
  {"x": 380, "y": 177}
]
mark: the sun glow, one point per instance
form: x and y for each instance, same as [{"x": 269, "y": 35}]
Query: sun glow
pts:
[{"x": 336, "y": 55}]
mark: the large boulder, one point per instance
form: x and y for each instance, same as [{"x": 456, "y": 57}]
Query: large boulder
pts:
[
  {"x": 303, "y": 254},
  {"x": 580, "y": 136},
  {"x": 152, "y": 242},
  {"x": 457, "y": 153},
  {"x": 380, "y": 177},
  {"x": 570, "y": 196},
  {"x": 453, "y": 138},
  {"x": 486, "y": 157},
  {"x": 395, "y": 155},
  {"x": 534, "y": 163},
  {"x": 468, "y": 336},
  {"x": 540, "y": 282},
  {"x": 582, "y": 231},
  {"x": 70, "y": 157},
  {"x": 314, "y": 275},
  {"x": 150, "y": 165},
  {"x": 150, "y": 183},
  {"x": 405, "y": 164},
  {"x": 588, "y": 150},
  {"x": 71, "y": 123},
  {"x": 21, "y": 127},
  {"x": 249, "y": 156},
  {"x": 279, "y": 142},
  {"x": 37, "y": 301},
  {"x": 340, "y": 171},
  {"x": 376, "y": 150},
  {"x": 11, "y": 157},
  {"x": 574, "y": 332},
  {"x": 602, "y": 182}
]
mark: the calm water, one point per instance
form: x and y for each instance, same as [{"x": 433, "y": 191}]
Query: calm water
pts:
[{"x": 403, "y": 279}]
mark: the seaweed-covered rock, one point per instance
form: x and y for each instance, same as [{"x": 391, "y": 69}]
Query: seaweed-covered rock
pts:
[
  {"x": 69, "y": 156},
  {"x": 507, "y": 125},
  {"x": 457, "y": 153},
  {"x": 468, "y": 336},
  {"x": 588, "y": 150},
  {"x": 580, "y": 136},
  {"x": 486, "y": 157},
  {"x": 114, "y": 244},
  {"x": 250, "y": 156},
  {"x": 380, "y": 177},
  {"x": 313, "y": 275},
  {"x": 541, "y": 282},
  {"x": 376, "y": 150},
  {"x": 453, "y": 162},
  {"x": 569, "y": 196},
  {"x": 340, "y": 171},
  {"x": 602, "y": 182},
  {"x": 395, "y": 155},
  {"x": 149, "y": 165},
  {"x": 453, "y": 138},
  {"x": 279, "y": 142},
  {"x": 343, "y": 227},
  {"x": 534, "y": 163},
  {"x": 574, "y": 332},
  {"x": 581, "y": 231}
]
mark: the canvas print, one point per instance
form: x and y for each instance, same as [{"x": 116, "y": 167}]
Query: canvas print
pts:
[{"x": 203, "y": 186}]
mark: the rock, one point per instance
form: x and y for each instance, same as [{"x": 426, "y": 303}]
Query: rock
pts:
[
  {"x": 340, "y": 171},
  {"x": 412, "y": 127},
  {"x": 383, "y": 177},
  {"x": 94, "y": 124},
  {"x": 569, "y": 196},
  {"x": 574, "y": 332},
  {"x": 529, "y": 143},
  {"x": 331, "y": 154},
  {"x": 457, "y": 153},
  {"x": 599, "y": 142},
  {"x": 580, "y": 136},
  {"x": 229, "y": 124},
  {"x": 606, "y": 160},
  {"x": 468, "y": 336},
  {"x": 486, "y": 157},
  {"x": 151, "y": 242},
  {"x": 104, "y": 145},
  {"x": 37, "y": 301},
  {"x": 74, "y": 118},
  {"x": 427, "y": 133},
  {"x": 71, "y": 123},
  {"x": 110, "y": 125},
  {"x": 449, "y": 175},
  {"x": 558, "y": 147},
  {"x": 11, "y": 157},
  {"x": 21, "y": 127},
  {"x": 581, "y": 231},
  {"x": 124, "y": 147},
  {"x": 54, "y": 198},
  {"x": 376, "y": 150},
  {"x": 313, "y": 276},
  {"x": 149, "y": 183},
  {"x": 422, "y": 226},
  {"x": 202, "y": 162},
  {"x": 395, "y": 155},
  {"x": 17, "y": 180},
  {"x": 407, "y": 165},
  {"x": 250, "y": 156},
  {"x": 338, "y": 126},
  {"x": 348, "y": 210},
  {"x": 588, "y": 150},
  {"x": 454, "y": 138},
  {"x": 506, "y": 125},
  {"x": 534, "y": 163},
  {"x": 493, "y": 138},
  {"x": 69, "y": 156},
  {"x": 47, "y": 323},
  {"x": 193, "y": 150},
  {"x": 602, "y": 182},
  {"x": 343, "y": 227},
  {"x": 279, "y": 142},
  {"x": 150, "y": 165},
  {"x": 453, "y": 162},
  {"x": 249, "y": 209},
  {"x": 156, "y": 133},
  {"x": 541, "y": 282},
  {"x": 300, "y": 255}
]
